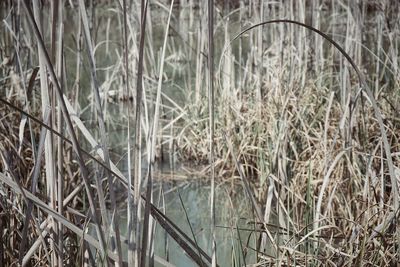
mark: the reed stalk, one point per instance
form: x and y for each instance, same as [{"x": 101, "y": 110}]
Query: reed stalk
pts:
[
  {"x": 47, "y": 63},
  {"x": 302, "y": 114},
  {"x": 211, "y": 115}
]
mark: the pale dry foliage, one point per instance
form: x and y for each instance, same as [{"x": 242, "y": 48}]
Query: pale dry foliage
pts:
[{"x": 291, "y": 121}]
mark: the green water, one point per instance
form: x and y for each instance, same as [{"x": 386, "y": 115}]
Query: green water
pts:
[{"x": 232, "y": 212}]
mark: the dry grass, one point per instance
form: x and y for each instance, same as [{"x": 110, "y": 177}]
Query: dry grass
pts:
[{"x": 314, "y": 142}]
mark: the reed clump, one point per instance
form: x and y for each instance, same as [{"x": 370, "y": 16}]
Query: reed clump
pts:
[
  {"x": 308, "y": 138},
  {"x": 301, "y": 110}
]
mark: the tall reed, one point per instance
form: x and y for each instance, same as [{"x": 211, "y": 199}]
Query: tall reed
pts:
[{"x": 301, "y": 111}]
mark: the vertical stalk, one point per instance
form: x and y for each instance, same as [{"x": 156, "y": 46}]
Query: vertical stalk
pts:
[
  {"x": 60, "y": 174},
  {"x": 53, "y": 178},
  {"x": 46, "y": 102},
  {"x": 137, "y": 148},
  {"x": 151, "y": 152},
  {"x": 211, "y": 120},
  {"x": 130, "y": 206},
  {"x": 130, "y": 209},
  {"x": 260, "y": 49},
  {"x": 100, "y": 117},
  {"x": 84, "y": 171}
]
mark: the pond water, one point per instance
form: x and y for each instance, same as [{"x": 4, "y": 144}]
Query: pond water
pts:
[
  {"x": 187, "y": 204},
  {"x": 182, "y": 197},
  {"x": 185, "y": 201}
]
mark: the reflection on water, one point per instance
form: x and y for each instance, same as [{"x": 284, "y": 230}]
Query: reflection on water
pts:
[{"x": 231, "y": 212}]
